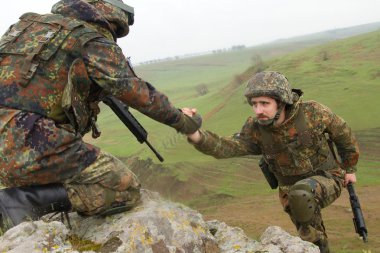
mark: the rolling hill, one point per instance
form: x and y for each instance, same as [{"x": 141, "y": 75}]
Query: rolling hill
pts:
[{"x": 343, "y": 74}]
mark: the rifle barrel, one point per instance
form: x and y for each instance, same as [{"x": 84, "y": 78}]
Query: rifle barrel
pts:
[
  {"x": 121, "y": 110},
  {"x": 358, "y": 218},
  {"x": 154, "y": 151}
]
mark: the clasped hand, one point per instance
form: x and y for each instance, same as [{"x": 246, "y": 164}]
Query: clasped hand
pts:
[{"x": 194, "y": 137}]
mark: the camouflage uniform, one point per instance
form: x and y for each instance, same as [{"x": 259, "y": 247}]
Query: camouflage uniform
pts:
[
  {"x": 297, "y": 152},
  {"x": 53, "y": 70}
]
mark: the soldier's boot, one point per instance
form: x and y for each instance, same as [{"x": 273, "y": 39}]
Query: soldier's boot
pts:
[
  {"x": 310, "y": 234},
  {"x": 115, "y": 209},
  {"x": 323, "y": 245},
  {"x": 119, "y": 207},
  {"x": 30, "y": 203}
]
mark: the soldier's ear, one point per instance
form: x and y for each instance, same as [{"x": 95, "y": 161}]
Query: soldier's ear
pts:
[{"x": 279, "y": 103}]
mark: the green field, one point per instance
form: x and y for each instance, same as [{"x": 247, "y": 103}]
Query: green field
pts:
[{"x": 343, "y": 74}]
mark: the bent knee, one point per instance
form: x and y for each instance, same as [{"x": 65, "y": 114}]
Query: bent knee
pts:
[
  {"x": 96, "y": 199},
  {"x": 302, "y": 202}
]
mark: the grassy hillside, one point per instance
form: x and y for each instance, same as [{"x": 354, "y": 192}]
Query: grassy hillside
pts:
[
  {"x": 330, "y": 35},
  {"x": 344, "y": 75}
]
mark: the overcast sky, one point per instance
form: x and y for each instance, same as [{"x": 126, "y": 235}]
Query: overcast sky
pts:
[{"x": 166, "y": 28}]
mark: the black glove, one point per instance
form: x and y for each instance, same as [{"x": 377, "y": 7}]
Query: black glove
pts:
[{"x": 187, "y": 124}]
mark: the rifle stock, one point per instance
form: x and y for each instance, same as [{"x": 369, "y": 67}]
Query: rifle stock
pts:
[
  {"x": 121, "y": 110},
  {"x": 358, "y": 218}
]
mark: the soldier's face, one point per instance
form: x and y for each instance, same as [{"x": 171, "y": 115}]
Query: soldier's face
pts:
[{"x": 265, "y": 108}]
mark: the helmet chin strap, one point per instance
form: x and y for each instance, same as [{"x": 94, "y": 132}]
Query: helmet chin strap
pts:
[{"x": 272, "y": 121}]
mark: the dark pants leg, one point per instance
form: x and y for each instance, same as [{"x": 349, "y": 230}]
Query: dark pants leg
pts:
[
  {"x": 105, "y": 184},
  {"x": 326, "y": 190}
]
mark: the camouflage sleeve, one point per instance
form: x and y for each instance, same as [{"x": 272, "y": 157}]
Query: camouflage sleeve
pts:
[
  {"x": 341, "y": 134},
  {"x": 108, "y": 68},
  {"x": 240, "y": 144}
]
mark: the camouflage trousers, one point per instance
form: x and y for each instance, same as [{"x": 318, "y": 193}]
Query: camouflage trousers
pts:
[
  {"x": 327, "y": 189},
  {"x": 105, "y": 184}
]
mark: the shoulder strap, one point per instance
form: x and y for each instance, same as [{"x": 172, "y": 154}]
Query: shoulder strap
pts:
[
  {"x": 67, "y": 23},
  {"x": 55, "y": 23},
  {"x": 304, "y": 135},
  {"x": 269, "y": 148},
  {"x": 14, "y": 32}
]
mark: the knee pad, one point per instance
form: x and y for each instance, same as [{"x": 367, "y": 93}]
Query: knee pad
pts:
[{"x": 302, "y": 203}]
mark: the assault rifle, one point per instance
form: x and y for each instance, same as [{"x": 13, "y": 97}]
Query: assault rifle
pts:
[
  {"x": 358, "y": 218},
  {"x": 121, "y": 110}
]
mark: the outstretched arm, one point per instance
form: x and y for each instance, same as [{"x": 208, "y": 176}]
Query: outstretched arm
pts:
[
  {"x": 110, "y": 70},
  {"x": 209, "y": 143}
]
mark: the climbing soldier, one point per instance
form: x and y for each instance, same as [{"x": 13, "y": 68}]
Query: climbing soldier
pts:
[{"x": 293, "y": 138}]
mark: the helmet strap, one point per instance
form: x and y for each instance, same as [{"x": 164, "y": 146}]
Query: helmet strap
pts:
[
  {"x": 272, "y": 121},
  {"x": 281, "y": 107},
  {"x": 278, "y": 113}
]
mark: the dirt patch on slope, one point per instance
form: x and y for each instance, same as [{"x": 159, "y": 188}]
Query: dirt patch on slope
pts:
[{"x": 254, "y": 214}]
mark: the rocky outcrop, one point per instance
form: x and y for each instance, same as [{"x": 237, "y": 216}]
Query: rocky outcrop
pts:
[{"x": 155, "y": 226}]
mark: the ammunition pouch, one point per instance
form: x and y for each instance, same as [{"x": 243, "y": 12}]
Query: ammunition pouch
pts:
[
  {"x": 269, "y": 176},
  {"x": 75, "y": 100}
]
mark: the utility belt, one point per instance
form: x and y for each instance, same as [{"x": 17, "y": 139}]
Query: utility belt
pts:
[
  {"x": 290, "y": 180},
  {"x": 280, "y": 180}
]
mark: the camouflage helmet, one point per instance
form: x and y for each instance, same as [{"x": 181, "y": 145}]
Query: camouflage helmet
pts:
[
  {"x": 116, "y": 12},
  {"x": 269, "y": 84}
]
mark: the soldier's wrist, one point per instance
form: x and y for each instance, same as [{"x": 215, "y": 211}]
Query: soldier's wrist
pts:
[
  {"x": 194, "y": 138},
  {"x": 199, "y": 140}
]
